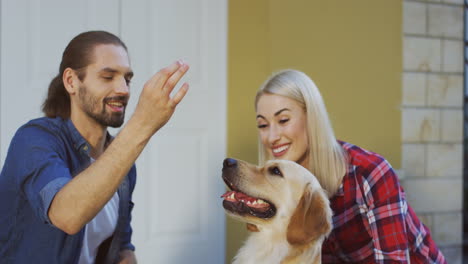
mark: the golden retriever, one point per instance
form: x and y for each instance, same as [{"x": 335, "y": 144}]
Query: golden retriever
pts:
[{"x": 285, "y": 206}]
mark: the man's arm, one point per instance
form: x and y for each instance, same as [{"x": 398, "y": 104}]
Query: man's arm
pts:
[
  {"x": 86, "y": 194},
  {"x": 127, "y": 256}
]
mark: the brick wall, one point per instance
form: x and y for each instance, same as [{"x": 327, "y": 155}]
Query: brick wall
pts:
[{"x": 432, "y": 118}]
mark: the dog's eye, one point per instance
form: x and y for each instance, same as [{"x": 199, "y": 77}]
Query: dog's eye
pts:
[{"x": 276, "y": 171}]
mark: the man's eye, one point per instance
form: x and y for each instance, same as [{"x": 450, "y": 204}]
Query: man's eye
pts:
[
  {"x": 276, "y": 171},
  {"x": 109, "y": 78},
  {"x": 128, "y": 81},
  {"x": 283, "y": 121},
  {"x": 261, "y": 126}
]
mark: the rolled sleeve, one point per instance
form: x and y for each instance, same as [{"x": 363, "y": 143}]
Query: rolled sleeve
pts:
[
  {"x": 47, "y": 194},
  {"x": 40, "y": 168}
]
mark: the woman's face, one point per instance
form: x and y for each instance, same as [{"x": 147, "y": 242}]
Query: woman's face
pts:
[{"x": 282, "y": 125}]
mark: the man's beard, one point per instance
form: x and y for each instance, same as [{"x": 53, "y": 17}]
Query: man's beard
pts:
[{"x": 90, "y": 103}]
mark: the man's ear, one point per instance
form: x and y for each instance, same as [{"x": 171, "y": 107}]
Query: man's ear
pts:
[
  {"x": 70, "y": 81},
  {"x": 311, "y": 219}
]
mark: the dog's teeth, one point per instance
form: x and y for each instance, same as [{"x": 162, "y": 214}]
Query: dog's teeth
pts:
[
  {"x": 260, "y": 201},
  {"x": 255, "y": 202},
  {"x": 232, "y": 196},
  {"x": 249, "y": 203}
]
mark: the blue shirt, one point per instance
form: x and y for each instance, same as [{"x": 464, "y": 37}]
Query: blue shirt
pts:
[{"x": 44, "y": 155}]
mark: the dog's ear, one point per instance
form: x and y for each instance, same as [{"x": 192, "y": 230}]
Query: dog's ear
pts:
[{"x": 311, "y": 219}]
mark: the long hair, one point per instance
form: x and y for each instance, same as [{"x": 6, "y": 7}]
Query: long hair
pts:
[
  {"x": 77, "y": 55},
  {"x": 327, "y": 159}
]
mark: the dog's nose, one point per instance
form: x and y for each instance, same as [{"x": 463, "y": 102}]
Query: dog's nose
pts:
[{"x": 229, "y": 163}]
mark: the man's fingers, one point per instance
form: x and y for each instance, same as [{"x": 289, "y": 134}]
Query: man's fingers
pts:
[
  {"x": 159, "y": 79},
  {"x": 180, "y": 94},
  {"x": 175, "y": 78}
]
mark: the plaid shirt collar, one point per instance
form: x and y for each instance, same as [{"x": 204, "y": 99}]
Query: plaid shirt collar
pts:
[
  {"x": 340, "y": 191},
  {"x": 351, "y": 170}
]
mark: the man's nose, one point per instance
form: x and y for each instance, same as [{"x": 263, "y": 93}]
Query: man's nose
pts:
[{"x": 122, "y": 87}]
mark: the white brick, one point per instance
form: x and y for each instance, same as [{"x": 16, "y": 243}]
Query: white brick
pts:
[
  {"x": 453, "y": 255},
  {"x": 413, "y": 158},
  {"x": 445, "y": 21},
  {"x": 452, "y": 125},
  {"x": 414, "y": 89},
  {"x": 434, "y": 195},
  {"x": 452, "y": 56},
  {"x": 456, "y": 2},
  {"x": 445, "y": 90},
  {"x": 420, "y": 125},
  {"x": 444, "y": 160},
  {"x": 421, "y": 54},
  {"x": 447, "y": 228},
  {"x": 414, "y": 18}
]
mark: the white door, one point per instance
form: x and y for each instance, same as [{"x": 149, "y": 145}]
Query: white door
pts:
[{"x": 177, "y": 217}]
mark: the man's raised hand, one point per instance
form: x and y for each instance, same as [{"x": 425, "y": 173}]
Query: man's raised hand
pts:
[{"x": 156, "y": 106}]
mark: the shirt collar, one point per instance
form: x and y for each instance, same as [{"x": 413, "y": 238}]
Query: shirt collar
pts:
[
  {"x": 351, "y": 170},
  {"x": 340, "y": 191},
  {"x": 79, "y": 142}
]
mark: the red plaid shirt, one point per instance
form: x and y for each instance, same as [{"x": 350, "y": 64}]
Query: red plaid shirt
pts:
[{"x": 372, "y": 222}]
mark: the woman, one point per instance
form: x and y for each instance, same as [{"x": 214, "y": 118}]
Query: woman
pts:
[{"x": 372, "y": 221}]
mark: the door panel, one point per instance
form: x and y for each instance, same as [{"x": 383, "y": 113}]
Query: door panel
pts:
[
  {"x": 178, "y": 217},
  {"x": 181, "y": 212}
]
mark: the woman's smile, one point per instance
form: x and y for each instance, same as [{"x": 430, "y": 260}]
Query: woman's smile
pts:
[{"x": 280, "y": 150}]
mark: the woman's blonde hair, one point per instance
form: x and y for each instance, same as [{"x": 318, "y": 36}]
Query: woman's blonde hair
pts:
[{"x": 327, "y": 159}]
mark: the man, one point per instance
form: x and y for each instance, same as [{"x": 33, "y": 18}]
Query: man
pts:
[{"x": 66, "y": 184}]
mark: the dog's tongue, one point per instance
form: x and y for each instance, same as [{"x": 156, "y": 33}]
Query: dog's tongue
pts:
[
  {"x": 233, "y": 196},
  {"x": 227, "y": 194}
]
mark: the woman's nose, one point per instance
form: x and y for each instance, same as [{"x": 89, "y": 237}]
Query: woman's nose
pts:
[{"x": 274, "y": 134}]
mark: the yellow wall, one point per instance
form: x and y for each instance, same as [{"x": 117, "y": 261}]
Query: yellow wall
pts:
[{"x": 351, "y": 49}]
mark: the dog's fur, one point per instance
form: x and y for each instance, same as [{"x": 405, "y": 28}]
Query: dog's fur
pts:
[{"x": 295, "y": 231}]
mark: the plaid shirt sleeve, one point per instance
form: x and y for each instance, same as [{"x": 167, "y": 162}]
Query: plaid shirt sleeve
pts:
[
  {"x": 386, "y": 211},
  {"x": 373, "y": 222},
  {"x": 398, "y": 235}
]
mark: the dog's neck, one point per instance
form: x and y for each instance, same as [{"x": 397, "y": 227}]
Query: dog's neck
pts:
[
  {"x": 306, "y": 254},
  {"x": 262, "y": 246}
]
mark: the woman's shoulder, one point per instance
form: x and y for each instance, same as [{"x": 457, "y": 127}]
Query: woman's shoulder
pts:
[
  {"x": 366, "y": 165},
  {"x": 371, "y": 171},
  {"x": 359, "y": 156}
]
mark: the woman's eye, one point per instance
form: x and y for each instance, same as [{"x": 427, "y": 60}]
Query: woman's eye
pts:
[
  {"x": 261, "y": 126},
  {"x": 283, "y": 121},
  {"x": 276, "y": 171}
]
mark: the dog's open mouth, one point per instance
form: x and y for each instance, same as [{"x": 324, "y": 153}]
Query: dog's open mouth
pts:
[{"x": 242, "y": 204}]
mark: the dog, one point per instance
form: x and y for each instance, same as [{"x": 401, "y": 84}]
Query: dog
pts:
[{"x": 285, "y": 207}]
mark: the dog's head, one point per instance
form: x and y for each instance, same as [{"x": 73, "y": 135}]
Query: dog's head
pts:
[{"x": 281, "y": 196}]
